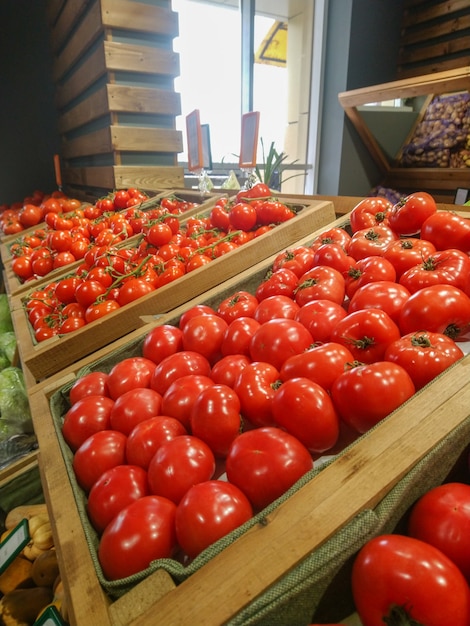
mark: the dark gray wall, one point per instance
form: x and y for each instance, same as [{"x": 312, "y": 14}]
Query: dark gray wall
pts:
[
  {"x": 361, "y": 50},
  {"x": 28, "y": 124}
]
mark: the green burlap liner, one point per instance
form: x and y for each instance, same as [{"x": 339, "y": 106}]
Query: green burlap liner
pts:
[{"x": 295, "y": 598}]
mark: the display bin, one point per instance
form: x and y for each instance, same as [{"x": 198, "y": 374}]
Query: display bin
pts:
[
  {"x": 14, "y": 286},
  {"x": 20, "y": 483},
  {"x": 40, "y": 360},
  {"x": 277, "y": 568}
]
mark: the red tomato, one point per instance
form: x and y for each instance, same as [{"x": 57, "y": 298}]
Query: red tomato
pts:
[
  {"x": 366, "y": 333},
  {"x": 264, "y": 463},
  {"x": 100, "y": 452},
  {"x": 273, "y": 212},
  {"x": 298, "y": 260},
  {"x": 282, "y": 282},
  {"x": 162, "y": 341},
  {"x": 394, "y": 574},
  {"x": 408, "y": 252},
  {"x": 446, "y": 229},
  {"x": 91, "y": 384},
  {"x": 215, "y": 417},
  {"x": 178, "y": 464},
  {"x": 371, "y": 242},
  {"x": 237, "y": 337},
  {"x": 333, "y": 235},
  {"x": 304, "y": 409},
  {"x": 448, "y": 267},
  {"x": 255, "y": 387},
  {"x": 209, "y": 511},
  {"x": 130, "y": 373},
  {"x": 409, "y": 214},
  {"x": 276, "y": 307},
  {"x": 198, "y": 309},
  {"x": 320, "y": 317},
  {"x": 368, "y": 270},
  {"x": 320, "y": 283},
  {"x": 147, "y": 436},
  {"x": 21, "y": 266},
  {"x": 65, "y": 289},
  {"x": 441, "y": 517},
  {"x": 242, "y": 216},
  {"x": 278, "y": 339},
  {"x": 88, "y": 292},
  {"x": 384, "y": 295},
  {"x": 86, "y": 417},
  {"x": 370, "y": 212},
  {"x": 424, "y": 355},
  {"x": 228, "y": 368},
  {"x": 177, "y": 365},
  {"x": 321, "y": 364},
  {"x": 240, "y": 304},
  {"x": 440, "y": 309},
  {"x": 204, "y": 334},
  {"x": 133, "y": 289},
  {"x": 259, "y": 190},
  {"x": 134, "y": 407},
  {"x": 142, "y": 532},
  {"x": 158, "y": 234},
  {"x": 180, "y": 396},
  {"x": 333, "y": 255},
  {"x": 364, "y": 394}
]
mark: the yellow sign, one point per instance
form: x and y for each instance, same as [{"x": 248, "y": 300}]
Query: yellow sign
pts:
[{"x": 273, "y": 48}]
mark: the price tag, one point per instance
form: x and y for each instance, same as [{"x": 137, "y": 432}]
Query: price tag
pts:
[
  {"x": 50, "y": 617},
  {"x": 249, "y": 140},
  {"x": 12, "y": 545}
]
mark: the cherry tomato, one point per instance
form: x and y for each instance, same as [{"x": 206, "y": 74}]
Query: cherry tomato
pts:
[
  {"x": 264, "y": 463},
  {"x": 133, "y": 289},
  {"x": 178, "y": 464},
  {"x": 100, "y": 452},
  {"x": 141, "y": 533},
  {"x": 100, "y": 309},
  {"x": 242, "y": 216},
  {"x": 394, "y": 574},
  {"x": 209, "y": 511}
]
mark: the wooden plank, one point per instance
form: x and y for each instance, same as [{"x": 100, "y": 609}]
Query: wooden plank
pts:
[
  {"x": 429, "y": 178},
  {"x": 427, "y": 12},
  {"x": 433, "y": 68},
  {"x": 138, "y": 16},
  {"x": 434, "y": 50},
  {"x": 101, "y": 177},
  {"x": 434, "y": 31},
  {"x": 143, "y": 59},
  {"x": 149, "y": 177},
  {"x": 71, "y": 13},
  {"x": 81, "y": 39},
  {"x": 53, "y": 8},
  {"x": 96, "y": 105},
  {"x": 82, "y": 78}
]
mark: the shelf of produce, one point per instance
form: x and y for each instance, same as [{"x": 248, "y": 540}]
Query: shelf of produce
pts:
[
  {"x": 51, "y": 356},
  {"x": 330, "y": 512}
]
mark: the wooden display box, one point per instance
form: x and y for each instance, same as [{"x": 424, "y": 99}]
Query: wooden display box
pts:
[
  {"x": 51, "y": 356},
  {"x": 286, "y": 536},
  {"x": 14, "y": 286}
]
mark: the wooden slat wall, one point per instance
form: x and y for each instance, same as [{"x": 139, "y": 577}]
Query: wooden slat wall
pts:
[
  {"x": 435, "y": 37},
  {"x": 115, "y": 92}
]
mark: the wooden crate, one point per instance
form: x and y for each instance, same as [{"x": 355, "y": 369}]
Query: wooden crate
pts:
[
  {"x": 281, "y": 539},
  {"x": 114, "y": 68},
  {"x": 47, "y": 358}
]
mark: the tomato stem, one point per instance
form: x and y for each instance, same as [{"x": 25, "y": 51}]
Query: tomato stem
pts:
[{"x": 399, "y": 616}]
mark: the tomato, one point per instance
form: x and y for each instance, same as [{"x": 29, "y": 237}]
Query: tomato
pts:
[
  {"x": 65, "y": 288},
  {"x": 219, "y": 218},
  {"x": 408, "y": 252},
  {"x": 366, "y": 333},
  {"x": 130, "y": 373},
  {"x": 100, "y": 309},
  {"x": 424, "y": 355},
  {"x": 364, "y": 394},
  {"x": 371, "y": 242},
  {"x": 178, "y": 464},
  {"x": 321, "y": 364},
  {"x": 22, "y": 267},
  {"x": 237, "y": 337},
  {"x": 158, "y": 234},
  {"x": 304, "y": 409},
  {"x": 209, "y": 511},
  {"x": 240, "y": 304},
  {"x": 133, "y": 289},
  {"x": 449, "y": 267},
  {"x": 198, "y": 309},
  {"x": 368, "y": 270},
  {"x": 242, "y": 216},
  {"x": 336, "y": 235},
  {"x": 204, "y": 334},
  {"x": 273, "y": 212},
  {"x": 276, "y": 307},
  {"x": 70, "y": 324},
  {"x": 177, "y": 365},
  {"x": 259, "y": 190},
  {"x": 438, "y": 308},
  {"x": 180, "y": 396},
  {"x": 278, "y": 339},
  {"x": 215, "y": 417},
  {"x": 264, "y": 463},
  {"x": 441, "y": 517},
  {"x": 320, "y": 317},
  {"x": 91, "y": 384},
  {"x": 147, "y": 436},
  {"x": 320, "y": 283},
  {"x": 255, "y": 387},
  {"x": 88, "y": 292},
  {"x": 299, "y": 260},
  {"x": 59, "y": 240},
  {"x": 227, "y": 369},
  {"x": 30, "y": 215},
  {"x": 100, "y": 452},
  {"x": 370, "y": 212},
  {"x": 41, "y": 261},
  {"x": 133, "y": 407},
  {"x": 333, "y": 255},
  {"x": 395, "y": 574},
  {"x": 385, "y": 295},
  {"x": 446, "y": 229},
  {"x": 141, "y": 533},
  {"x": 281, "y": 282},
  {"x": 409, "y": 214},
  {"x": 86, "y": 417},
  {"x": 162, "y": 341},
  {"x": 121, "y": 198}
]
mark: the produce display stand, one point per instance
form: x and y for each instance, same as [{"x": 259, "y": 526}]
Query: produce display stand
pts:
[
  {"x": 51, "y": 356},
  {"x": 287, "y": 535}
]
